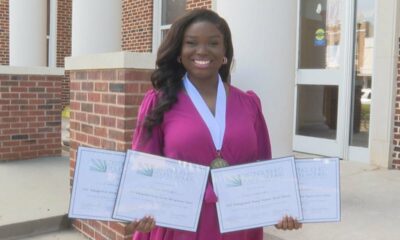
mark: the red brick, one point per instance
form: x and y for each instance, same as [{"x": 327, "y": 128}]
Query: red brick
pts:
[
  {"x": 100, "y": 132},
  {"x": 108, "y": 121},
  {"x": 100, "y": 109}
]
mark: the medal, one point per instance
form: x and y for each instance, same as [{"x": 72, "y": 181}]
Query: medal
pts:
[{"x": 219, "y": 162}]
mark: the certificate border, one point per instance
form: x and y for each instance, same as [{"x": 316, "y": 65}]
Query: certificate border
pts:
[
  {"x": 263, "y": 224},
  {"x": 336, "y": 162},
  {"x": 205, "y": 169},
  {"x": 81, "y": 150}
]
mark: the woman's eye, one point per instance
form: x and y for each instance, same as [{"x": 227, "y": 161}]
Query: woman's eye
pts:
[
  {"x": 191, "y": 43},
  {"x": 213, "y": 43}
]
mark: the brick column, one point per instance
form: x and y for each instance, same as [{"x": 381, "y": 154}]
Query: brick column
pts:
[
  {"x": 396, "y": 130},
  {"x": 4, "y": 32},
  {"x": 104, "y": 105},
  {"x": 30, "y": 116},
  {"x": 64, "y": 23},
  {"x": 137, "y": 25},
  {"x": 194, "y": 4}
]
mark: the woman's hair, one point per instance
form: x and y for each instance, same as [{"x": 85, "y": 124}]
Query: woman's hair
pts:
[{"x": 167, "y": 78}]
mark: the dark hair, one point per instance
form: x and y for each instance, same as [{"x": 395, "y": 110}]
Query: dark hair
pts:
[{"x": 167, "y": 78}]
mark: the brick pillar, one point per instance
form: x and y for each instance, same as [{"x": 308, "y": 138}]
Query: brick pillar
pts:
[
  {"x": 64, "y": 23},
  {"x": 396, "y": 130},
  {"x": 104, "y": 105},
  {"x": 194, "y": 4},
  {"x": 4, "y": 32},
  {"x": 137, "y": 25},
  {"x": 30, "y": 116}
]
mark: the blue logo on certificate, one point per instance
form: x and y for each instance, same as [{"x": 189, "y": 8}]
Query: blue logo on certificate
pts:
[
  {"x": 146, "y": 170},
  {"x": 234, "y": 181},
  {"x": 98, "y": 166}
]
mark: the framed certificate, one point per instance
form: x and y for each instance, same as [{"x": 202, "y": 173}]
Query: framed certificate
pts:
[
  {"x": 171, "y": 191},
  {"x": 319, "y": 184},
  {"x": 257, "y": 194},
  {"x": 96, "y": 179}
]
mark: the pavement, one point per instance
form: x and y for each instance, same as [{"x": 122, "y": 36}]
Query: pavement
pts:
[
  {"x": 35, "y": 195},
  {"x": 370, "y": 199}
]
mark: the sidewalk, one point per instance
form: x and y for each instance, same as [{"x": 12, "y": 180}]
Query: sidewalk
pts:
[
  {"x": 35, "y": 197},
  {"x": 370, "y": 200}
]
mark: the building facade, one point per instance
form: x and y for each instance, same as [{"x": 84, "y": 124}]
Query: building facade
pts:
[{"x": 327, "y": 73}]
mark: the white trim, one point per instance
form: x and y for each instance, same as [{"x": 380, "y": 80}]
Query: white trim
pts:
[
  {"x": 325, "y": 147},
  {"x": 385, "y": 73},
  {"x": 52, "y": 51},
  {"x": 214, "y": 5},
  {"x": 358, "y": 154},
  {"x": 348, "y": 65},
  {"x": 12, "y": 70},
  {"x": 156, "y": 25},
  {"x": 113, "y": 60}
]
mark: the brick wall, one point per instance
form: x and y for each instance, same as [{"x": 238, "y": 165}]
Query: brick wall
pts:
[
  {"x": 64, "y": 38},
  {"x": 396, "y": 130},
  {"x": 4, "y": 33},
  {"x": 30, "y": 119},
  {"x": 137, "y": 23},
  {"x": 194, "y": 4},
  {"x": 104, "y": 105}
]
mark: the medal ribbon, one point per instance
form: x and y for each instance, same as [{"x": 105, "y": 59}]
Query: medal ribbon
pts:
[{"x": 215, "y": 125}]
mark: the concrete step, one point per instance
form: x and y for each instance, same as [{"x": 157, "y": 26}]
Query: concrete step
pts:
[
  {"x": 28, "y": 229},
  {"x": 34, "y": 197},
  {"x": 68, "y": 234}
]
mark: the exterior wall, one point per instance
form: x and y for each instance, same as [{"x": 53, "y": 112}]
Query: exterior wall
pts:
[
  {"x": 104, "y": 105},
  {"x": 137, "y": 23},
  {"x": 4, "y": 32},
  {"x": 194, "y": 4},
  {"x": 396, "y": 130},
  {"x": 30, "y": 120},
  {"x": 265, "y": 56},
  {"x": 64, "y": 24}
]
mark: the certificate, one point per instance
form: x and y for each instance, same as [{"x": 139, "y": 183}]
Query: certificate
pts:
[
  {"x": 171, "y": 191},
  {"x": 257, "y": 194},
  {"x": 96, "y": 180},
  {"x": 319, "y": 189}
]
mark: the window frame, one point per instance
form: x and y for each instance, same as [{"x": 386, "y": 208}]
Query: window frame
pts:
[{"x": 157, "y": 27}]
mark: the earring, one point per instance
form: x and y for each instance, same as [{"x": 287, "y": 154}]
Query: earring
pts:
[
  {"x": 225, "y": 60},
  {"x": 179, "y": 59}
]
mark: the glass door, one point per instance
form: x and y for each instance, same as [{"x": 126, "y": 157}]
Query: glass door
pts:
[
  {"x": 334, "y": 78},
  {"x": 321, "y": 77},
  {"x": 362, "y": 77}
]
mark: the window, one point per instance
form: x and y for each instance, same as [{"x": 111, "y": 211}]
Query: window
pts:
[{"x": 165, "y": 13}]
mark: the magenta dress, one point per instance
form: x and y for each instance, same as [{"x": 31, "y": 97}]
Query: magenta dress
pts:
[{"x": 183, "y": 135}]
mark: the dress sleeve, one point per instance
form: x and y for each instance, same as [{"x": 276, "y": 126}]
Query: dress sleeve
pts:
[
  {"x": 142, "y": 141},
  {"x": 264, "y": 144}
]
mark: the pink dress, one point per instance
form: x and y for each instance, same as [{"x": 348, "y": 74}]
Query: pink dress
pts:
[{"x": 183, "y": 135}]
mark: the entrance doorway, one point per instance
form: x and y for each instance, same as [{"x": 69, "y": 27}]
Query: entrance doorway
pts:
[{"x": 334, "y": 78}]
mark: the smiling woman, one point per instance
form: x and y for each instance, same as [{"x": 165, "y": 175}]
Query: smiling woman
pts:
[{"x": 193, "y": 114}]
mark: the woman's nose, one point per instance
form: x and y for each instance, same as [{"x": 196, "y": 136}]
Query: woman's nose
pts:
[{"x": 201, "y": 48}]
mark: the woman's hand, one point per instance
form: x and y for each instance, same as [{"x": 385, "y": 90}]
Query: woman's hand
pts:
[
  {"x": 288, "y": 223},
  {"x": 144, "y": 225}
]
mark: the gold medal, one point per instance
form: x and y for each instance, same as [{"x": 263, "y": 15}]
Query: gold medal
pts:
[{"x": 219, "y": 162}]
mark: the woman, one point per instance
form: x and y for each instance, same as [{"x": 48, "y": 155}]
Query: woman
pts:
[{"x": 195, "y": 115}]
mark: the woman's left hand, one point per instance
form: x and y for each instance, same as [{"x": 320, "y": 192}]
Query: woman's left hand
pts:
[{"x": 288, "y": 223}]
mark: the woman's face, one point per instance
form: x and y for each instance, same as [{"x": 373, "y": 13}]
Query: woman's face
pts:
[{"x": 202, "y": 51}]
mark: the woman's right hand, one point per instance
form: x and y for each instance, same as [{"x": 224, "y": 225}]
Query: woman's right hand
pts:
[{"x": 144, "y": 225}]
